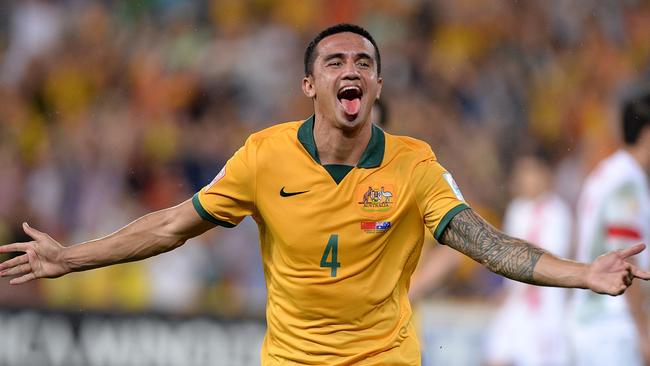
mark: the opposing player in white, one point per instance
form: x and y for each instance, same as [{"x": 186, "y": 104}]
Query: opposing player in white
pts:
[
  {"x": 529, "y": 327},
  {"x": 614, "y": 213}
]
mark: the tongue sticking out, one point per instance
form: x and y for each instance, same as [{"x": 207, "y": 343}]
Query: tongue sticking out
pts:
[{"x": 351, "y": 107}]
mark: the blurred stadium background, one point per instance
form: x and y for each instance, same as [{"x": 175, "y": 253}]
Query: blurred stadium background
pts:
[{"x": 112, "y": 109}]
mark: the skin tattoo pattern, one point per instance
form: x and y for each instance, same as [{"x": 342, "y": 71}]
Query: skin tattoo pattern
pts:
[{"x": 470, "y": 234}]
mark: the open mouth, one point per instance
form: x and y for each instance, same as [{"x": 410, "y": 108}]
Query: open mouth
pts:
[{"x": 350, "y": 98}]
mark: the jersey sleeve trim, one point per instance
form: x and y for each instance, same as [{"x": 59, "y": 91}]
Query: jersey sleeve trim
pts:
[
  {"x": 447, "y": 218},
  {"x": 206, "y": 216}
]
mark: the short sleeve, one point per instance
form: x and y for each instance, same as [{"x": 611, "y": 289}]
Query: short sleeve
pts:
[
  {"x": 438, "y": 196},
  {"x": 623, "y": 218},
  {"x": 231, "y": 195}
]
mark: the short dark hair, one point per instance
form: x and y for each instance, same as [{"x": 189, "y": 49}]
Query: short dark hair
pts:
[
  {"x": 636, "y": 116},
  {"x": 310, "y": 51}
]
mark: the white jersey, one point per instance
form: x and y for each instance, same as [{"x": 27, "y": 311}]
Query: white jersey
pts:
[
  {"x": 536, "y": 315},
  {"x": 613, "y": 213},
  {"x": 546, "y": 222}
]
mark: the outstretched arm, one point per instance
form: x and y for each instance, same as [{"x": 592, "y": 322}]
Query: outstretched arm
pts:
[
  {"x": 152, "y": 234},
  {"x": 519, "y": 260}
]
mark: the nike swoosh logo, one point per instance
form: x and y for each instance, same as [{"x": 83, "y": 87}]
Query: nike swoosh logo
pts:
[{"x": 289, "y": 194}]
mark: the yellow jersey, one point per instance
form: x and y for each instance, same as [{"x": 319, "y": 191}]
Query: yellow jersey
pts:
[{"x": 339, "y": 244}]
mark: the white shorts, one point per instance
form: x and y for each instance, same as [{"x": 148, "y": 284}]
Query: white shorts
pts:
[
  {"x": 605, "y": 344},
  {"x": 516, "y": 338}
]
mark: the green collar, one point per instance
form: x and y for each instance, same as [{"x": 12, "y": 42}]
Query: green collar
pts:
[{"x": 371, "y": 157}]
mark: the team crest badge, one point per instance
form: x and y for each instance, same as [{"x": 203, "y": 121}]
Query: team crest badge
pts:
[{"x": 375, "y": 198}]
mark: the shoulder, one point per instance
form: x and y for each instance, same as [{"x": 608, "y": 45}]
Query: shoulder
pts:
[
  {"x": 410, "y": 147},
  {"x": 269, "y": 142},
  {"x": 516, "y": 205},
  {"x": 280, "y": 130},
  {"x": 620, "y": 168},
  {"x": 611, "y": 175}
]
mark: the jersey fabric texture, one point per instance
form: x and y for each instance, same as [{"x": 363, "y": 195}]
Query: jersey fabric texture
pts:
[
  {"x": 613, "y": 213},
  {"x": 337, "y": 257},
  {"x": 536, "y": 314}
]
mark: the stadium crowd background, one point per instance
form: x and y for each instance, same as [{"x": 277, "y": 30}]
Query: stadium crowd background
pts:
[{"x": 109, "y": 110}]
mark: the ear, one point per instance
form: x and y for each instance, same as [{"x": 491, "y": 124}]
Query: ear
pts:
[
  {"x": 380, "y": 83},
  {"x": 308, "y": 86}
]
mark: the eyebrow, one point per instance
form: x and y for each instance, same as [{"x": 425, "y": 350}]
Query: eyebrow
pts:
[
  {"x": 332, "y": 56},
  {"x": 365, "y": 55},
  {"x": 341, "y": 55}
]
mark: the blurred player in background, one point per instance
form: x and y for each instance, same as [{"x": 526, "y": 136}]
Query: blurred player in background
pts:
[
  {"x": 341, "y": 208},
  {"x": 438, "y": 261},
  {"x": 537, "y": 315},
  {"x": 613, "y": 214}
]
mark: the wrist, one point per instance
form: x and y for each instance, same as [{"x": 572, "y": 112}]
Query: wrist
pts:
[
  {"x": 584, "y": 276},
  {"x": 65, "y": 259}
]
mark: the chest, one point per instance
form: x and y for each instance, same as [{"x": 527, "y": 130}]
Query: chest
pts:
[
  {"x": 308, "y": 196},
  {"x": 309, "y": 219}
]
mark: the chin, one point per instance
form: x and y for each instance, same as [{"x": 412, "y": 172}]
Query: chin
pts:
[{"x": 350, "y": 123}]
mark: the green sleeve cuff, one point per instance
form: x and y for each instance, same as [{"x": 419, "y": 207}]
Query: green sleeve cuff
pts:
[
  {"x": 447, "y": 218},
  {"x": 205, "y": 215}
]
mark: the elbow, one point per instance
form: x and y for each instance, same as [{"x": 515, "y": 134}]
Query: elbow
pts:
[
  {"x": 178, "y": 224},
  {"x": 170, "y": 233},
  {"x": 178, "y": 243}
]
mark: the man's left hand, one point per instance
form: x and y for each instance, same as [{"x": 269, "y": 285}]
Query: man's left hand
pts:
[{"x": 612, "y": 274}]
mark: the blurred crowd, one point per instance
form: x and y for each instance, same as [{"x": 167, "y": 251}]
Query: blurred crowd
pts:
[{"x": 109, "y": 110}]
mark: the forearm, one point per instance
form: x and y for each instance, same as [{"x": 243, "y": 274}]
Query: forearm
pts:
[
  {"x": 511, "y": 257},
  {"x": 553, "y": 271},
  {"x": 152, "y": 234},
  {"x": 634, "y": 296}
]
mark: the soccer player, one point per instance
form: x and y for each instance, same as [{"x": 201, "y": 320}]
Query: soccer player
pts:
[
  {"x": 341, "y": 208},
  {"x": 614, "y": 214},
  {"x": 537, "y": 315}
]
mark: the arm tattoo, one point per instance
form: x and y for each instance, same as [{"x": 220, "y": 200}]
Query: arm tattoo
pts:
[{"x": 471, "y": 235}]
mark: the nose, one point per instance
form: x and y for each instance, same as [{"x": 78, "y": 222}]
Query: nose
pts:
[{"x": 351, "y": 72}]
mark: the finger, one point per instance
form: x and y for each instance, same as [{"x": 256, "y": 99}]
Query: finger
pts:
[
  {"x": 35, "y": 234},
  {"x": 15, "y": 247},
  {"x": 628, "y": 252},
  {"x": 627, "y": 280},
  {"x": 14, "y": 262},
  {"x": 639, "y": 273},
  {"x": 17, "y": 271},
  {"x": 20, "y": 280}
]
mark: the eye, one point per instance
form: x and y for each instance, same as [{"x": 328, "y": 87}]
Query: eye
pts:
[
  {"x": 363, "y": 64},
  {"x": 334, "y": 63}
]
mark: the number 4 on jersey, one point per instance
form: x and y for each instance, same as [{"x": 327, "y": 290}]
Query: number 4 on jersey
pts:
[{"x": 332, "y": 247}]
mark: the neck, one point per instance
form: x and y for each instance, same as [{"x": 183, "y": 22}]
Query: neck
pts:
[
  {"x": 640, "y": 155},
  {"x": 340, "y": 146}
]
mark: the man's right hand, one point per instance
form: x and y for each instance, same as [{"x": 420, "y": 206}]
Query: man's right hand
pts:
[{"x": 42, "y": 258}]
